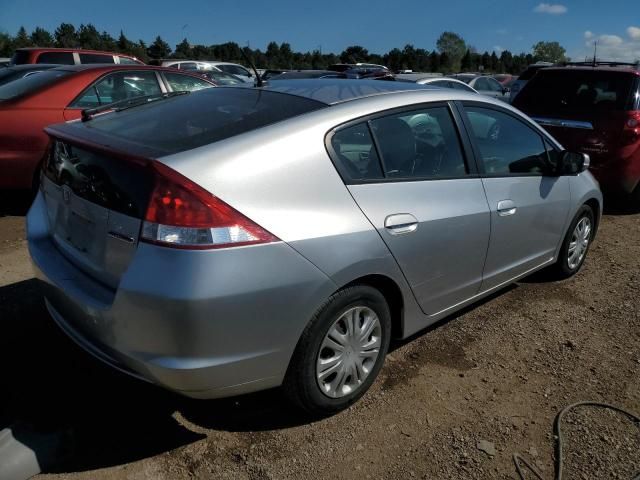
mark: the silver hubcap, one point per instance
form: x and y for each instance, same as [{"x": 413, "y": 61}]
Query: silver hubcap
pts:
[
  {"x": 348, "y": 352},
  {"x": 579, "y": 243}
]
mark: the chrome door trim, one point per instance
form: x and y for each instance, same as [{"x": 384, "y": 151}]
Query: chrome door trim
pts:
[{"x": 556, "y": 122}]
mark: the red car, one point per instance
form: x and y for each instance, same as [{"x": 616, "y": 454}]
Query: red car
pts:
[
  {"x": 593, "y": 109},
  {"x": 60, "y": 94},
  {"x": 70, "y": 56}
]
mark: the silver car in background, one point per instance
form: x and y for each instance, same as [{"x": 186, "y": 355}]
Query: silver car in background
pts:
[{"x": 236, "y": 239}]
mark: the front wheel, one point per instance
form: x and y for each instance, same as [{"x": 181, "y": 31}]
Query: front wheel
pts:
[
  {"x": 576, "y": 243},
  {"x": 340, "y": 352}
]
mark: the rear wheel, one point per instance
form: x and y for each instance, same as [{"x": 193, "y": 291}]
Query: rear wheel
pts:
[
  {"x": 340, "y": 352},
  {"x": 576, "y": 243}
]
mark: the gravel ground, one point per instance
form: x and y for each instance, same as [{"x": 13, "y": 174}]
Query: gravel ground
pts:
[{"x": 455, "y": 401}]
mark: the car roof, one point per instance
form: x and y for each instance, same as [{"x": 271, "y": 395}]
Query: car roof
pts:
[
  {"x": 32, "y": 66},
  {"x": 331, "y": 90},
  {"x": 597, "y": 68},
  {"x": 79, "y": 50},
  {"x": 113, "y": 66}
]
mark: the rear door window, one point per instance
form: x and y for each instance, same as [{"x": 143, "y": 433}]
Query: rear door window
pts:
[
  {"x": 61, "y": 58},
  {"x": 118, "y": 86},
  {"x": 95, "y": 58},
  {"x": 234, "y": 70},
  {"x": 482, "y": 84},
  {"x": 419, "y": 144}
]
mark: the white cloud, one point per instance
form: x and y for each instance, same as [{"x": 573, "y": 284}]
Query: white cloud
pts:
[
  {"x": 551, "y": 9},
  {"x": 634, "y": 32},
  {"x": 611, "y": 47},
  {"x": 610, "y": 40},
  {"x": 498, "y": 49}
]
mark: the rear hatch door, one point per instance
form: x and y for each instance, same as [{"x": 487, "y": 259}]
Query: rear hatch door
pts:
[
  {"x": 95, "y": 204},
  {"x": 584, "y": 109}
]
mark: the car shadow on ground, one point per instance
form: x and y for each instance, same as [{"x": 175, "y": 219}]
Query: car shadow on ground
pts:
[
  {"x": 101, "y": 417},
  {"x": 15, "y": 203}
]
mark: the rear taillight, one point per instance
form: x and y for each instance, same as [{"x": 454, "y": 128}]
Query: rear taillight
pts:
[
  {"x": 631, "y": 131},
  {"x": 181, "y": 214}
]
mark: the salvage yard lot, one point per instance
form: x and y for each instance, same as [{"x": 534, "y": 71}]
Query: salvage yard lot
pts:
[{"x": 498, "y": 373}]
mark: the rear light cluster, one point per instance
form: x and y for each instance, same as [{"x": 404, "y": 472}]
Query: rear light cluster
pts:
[
  {"x": 181, "y": 214},
  {"x": 631, "y": 132}
]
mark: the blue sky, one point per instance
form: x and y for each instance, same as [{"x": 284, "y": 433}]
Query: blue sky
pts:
[{"x": 378, "y": 25}]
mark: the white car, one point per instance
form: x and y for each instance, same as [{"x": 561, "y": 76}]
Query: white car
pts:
[{"x": 226, "y": 67}]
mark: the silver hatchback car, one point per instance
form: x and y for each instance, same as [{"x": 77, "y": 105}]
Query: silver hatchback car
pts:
[{"x": 236, "y": 238}]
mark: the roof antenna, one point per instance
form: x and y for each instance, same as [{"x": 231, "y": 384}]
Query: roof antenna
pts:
[
  {"x": 595, "y": 50},
  {"x": 259, "y": 81}
]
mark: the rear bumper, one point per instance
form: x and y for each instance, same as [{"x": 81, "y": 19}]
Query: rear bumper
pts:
[
  {"x": 619, "y": 173},
  {"x": 206, "y": 324}
]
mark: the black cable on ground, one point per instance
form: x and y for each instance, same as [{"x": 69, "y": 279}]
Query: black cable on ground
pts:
[{"x": 557, "y": 431}]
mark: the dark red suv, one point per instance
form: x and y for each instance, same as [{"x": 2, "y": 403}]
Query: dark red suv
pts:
[{"x": 594, "y": 109}]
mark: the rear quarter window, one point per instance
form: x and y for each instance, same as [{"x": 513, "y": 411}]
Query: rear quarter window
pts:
[
  {"x": 60, "y": 58},
  {"x": 20, "y": 57},
  {"x": 95, "y": 58}
]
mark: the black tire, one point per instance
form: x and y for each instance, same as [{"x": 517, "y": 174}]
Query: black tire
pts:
[
  {"x": 561, "y": 269},
  {"x": 300, "y": 384}
]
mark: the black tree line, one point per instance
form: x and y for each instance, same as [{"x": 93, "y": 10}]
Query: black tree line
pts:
[{"x": 452, "y": 53}]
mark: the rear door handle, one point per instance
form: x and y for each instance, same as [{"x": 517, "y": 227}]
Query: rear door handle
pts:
[
  {"x": 506, "y": 208},
  {"x": 401, "y": 223}
]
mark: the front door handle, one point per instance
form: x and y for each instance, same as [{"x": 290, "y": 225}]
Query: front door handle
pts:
[
  {"x": 401, "y": 223},
  {"x": 506, "y": 208}
]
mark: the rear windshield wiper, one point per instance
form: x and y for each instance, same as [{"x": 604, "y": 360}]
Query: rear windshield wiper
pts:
[{"x": 88, "y": 113}]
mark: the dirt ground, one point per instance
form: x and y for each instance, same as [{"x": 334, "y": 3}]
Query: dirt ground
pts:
[{"x": 455, "y": 401}]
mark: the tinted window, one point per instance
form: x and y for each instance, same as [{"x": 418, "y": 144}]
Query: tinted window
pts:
[
  {"x": 529, "y": 73},
  {"x": 128, "y": 61},
  {"x": 188, "y": 66},
  {"x": 185, "y": 83},
  {"x": 481, "y": 84},
  {"x": 441, "y": 84},
  {"x": 422, "y": 143},
  {"x": 461, "y": 86},
  {"x": 95, "y": 58},
  {"x": 118, "y": 86},
  {"x": 60, "y": 58},
  {"x": 234, "y": 70},
  {"x": 507, "y": 146},
  {"x": 20, "y": 57},
  {"x": 355, "y": 152},
  {"x": 200, "y": 118},
  {"x": 30, "y": 84},
  {"x": 494, "y": 85},
  {"x": 557, "y": 91}
]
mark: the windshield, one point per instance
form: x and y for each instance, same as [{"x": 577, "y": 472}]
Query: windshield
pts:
[
  {"x": 201, "y": 118},
  {"x": 30, "y": 84},
  {"x": 558, "y": 91}
]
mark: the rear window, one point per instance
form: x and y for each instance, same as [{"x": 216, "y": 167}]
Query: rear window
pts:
[
  {"x": 20, "y": 57},
  {"x": 95, "y": 58},
  {"x": 127, "y": 61},
  {"x": 30, "y": 84},
  {"x": 529, "y": 73},
  {"x": 60, "y": 58},
  {"x": 557, "y": 91},
  {"x": 200, "y": 118}
]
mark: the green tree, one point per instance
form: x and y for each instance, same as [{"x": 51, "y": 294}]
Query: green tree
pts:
[
  {"x": 22, "y": 39},
  {"x": 66, "y": 36},
  {"x": 454, "y": 46},
  {"x": 41, "y": 38},
  {"x": 183, "y": 50},
  {"x": 124, "y": 44},
  {"x": 354, "y": 54},
  {"x": 6, "y": 45},
  {"x": 89, "y": 37},
  {"x": 107, "y": 42},
  {"x": 465, "y": 63},
  {"x": 158, "y": 49},
  {"x": 549, "y": 52}
]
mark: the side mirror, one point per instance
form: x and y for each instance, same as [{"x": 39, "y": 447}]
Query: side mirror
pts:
[{"x": 572, "y": 163}]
